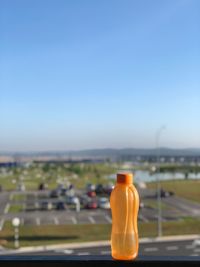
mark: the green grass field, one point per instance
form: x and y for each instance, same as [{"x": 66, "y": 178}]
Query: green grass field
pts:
[
  {"x": 189, "y": 189},
  {"x": 19, "y": 197},
  {"x": 51, "y": 174},
  {"x": 54, "y": 234},
  {"x": 15, "y": 208}
]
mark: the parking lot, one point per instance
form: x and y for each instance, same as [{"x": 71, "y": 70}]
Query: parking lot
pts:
[
  {"x": 30, "y": 212},
  {"x": 28, "y": 207},
  {"x": 60, "y": 217}
]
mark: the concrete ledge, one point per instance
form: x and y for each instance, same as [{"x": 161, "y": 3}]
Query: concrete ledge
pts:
[{"x": 97, "y": 261}]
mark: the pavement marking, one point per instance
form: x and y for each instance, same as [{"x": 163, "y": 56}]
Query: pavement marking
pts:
[
  {"x": 105, "y": 252},
  {"x": 172, "y": 248},
  {"x": 38, "y": 221},
  {"x": 151, "y": 249},
  {"x": 189, "y": 247},
  {"x": 36, "y": 205},
  {"x": 91, "y": 219},
  {"x": 108, "y": 218},
  {"x": 1, "y": 224},
  {"x": 68, "y": 251},
  {"x": 65, "y": 251},
  {"x": 74, "y": 220},
  {"x": 7, "y": 207},
  {"x": 56, "y": 221},
  {"x": 83, "y": 253}
]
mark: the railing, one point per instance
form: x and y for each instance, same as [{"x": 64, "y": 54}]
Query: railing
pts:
[{"x": 96, "y": 261}]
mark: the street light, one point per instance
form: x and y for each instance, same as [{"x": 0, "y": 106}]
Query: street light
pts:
[
  {"x": 158, "y": 134},
  {"x": 16, "y": 223},
  {"x": 77, "y": 203}
]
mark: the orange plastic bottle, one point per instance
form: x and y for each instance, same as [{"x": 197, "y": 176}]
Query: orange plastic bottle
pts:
[{"x": 124, "y": 203}]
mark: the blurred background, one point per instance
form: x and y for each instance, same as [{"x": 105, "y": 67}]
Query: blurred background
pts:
[{"x": 87, "y": 89}]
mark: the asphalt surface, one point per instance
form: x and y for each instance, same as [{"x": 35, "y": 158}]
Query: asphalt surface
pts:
[
  {"x": 183, "y": 206},
  {"x": 32, "y": 215},
  {"x": 167, "y": 248}
]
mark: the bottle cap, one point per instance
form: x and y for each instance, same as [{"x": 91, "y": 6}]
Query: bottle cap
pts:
[{"x": 125, "y": 178}]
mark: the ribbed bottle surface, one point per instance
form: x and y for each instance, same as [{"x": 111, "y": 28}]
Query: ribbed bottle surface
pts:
[{"x": 124, "y": 206}]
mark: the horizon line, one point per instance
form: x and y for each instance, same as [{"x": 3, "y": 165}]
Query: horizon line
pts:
[{"x": 92, "y": 149}]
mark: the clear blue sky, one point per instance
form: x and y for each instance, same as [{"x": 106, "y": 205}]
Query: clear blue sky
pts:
[{"x": 91, "y": 74}]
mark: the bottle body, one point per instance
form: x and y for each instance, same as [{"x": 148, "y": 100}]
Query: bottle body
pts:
[{"x": 124, "y": 203}]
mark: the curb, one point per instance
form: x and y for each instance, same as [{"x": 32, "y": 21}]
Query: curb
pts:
[{"x": 169, "y": 238}]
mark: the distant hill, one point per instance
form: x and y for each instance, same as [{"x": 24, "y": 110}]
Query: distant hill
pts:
[{"x": 109, "y": 153}]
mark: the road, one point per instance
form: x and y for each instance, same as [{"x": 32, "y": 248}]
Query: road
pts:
[
  {"x": 183, "y": 206},
  {"x": 159, "y": 248},
  {"x": 177, "y": 207}
]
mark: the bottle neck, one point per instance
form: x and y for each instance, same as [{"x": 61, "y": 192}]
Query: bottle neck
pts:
[{"x": 125, "y": 179}]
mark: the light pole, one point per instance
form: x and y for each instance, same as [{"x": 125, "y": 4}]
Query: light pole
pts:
[
  {"x": 158, "y": 134},
  {"x": 16, "y": 223},
  {"x": 77, "y": 203}
]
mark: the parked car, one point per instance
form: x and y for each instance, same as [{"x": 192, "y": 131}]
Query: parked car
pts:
[
  {"x": 104, "y": 203},
  {"x": 46, "y": 205},
  {"x": 84, "y": 199},
  {"x": 90, "y": 187},
  {"x": 55, "y": 193},
  {"x": 99, "y": 189},
  {"x": 164, "y": 193},
  {"x": 63, "y": 191},
  {"x": 109, "y": 188},
  {"x": 91, "y": 194},
  {"x": 61, "y": 205},
  {"x": 91, "y": 205},
  {"x": 72, "y": 200}
]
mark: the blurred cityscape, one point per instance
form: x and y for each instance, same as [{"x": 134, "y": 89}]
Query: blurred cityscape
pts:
[{"x": 63, "y": 198}]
